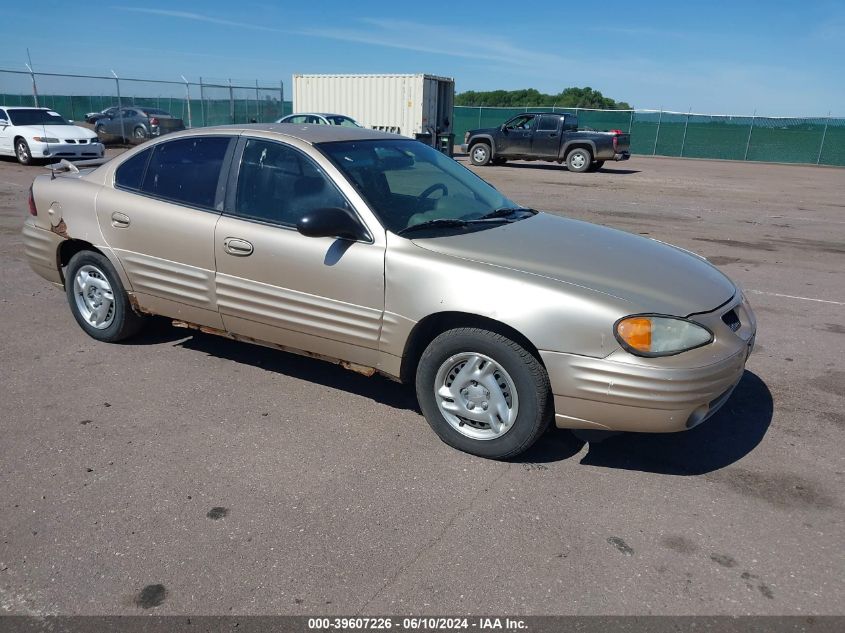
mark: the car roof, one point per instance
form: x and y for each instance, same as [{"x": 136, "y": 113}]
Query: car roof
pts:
[
  {"x": 5, "y": 107},
  {"x": 317, "y": 114},
  {"x": 309, "y": 133}
]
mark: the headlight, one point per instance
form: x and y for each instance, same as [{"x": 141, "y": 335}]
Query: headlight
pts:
[
  {"x": 45, "y": 139},
  {"x": 653, "y": 335},
  {"x": 93, "y": 140}
]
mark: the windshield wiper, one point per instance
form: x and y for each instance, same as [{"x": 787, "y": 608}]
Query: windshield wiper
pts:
[
  {"x": 503, "y": 212},
  {"x": 445, "y": 222}
]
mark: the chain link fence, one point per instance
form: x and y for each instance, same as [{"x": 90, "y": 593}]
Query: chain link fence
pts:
[
  {"x": 198, "y": 103},
  {"x": 818, "y": 141}
]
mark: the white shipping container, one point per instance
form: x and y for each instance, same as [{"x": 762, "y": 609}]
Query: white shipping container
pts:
[{"x": 404, "y": 104}]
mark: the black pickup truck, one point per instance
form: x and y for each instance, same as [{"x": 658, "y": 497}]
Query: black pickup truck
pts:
[{"x": 553, "y": 137}]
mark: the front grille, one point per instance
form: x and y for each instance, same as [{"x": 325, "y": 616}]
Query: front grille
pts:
[
  {"x": 731, "y": 319},
  {"x": 70, "y": 141}
]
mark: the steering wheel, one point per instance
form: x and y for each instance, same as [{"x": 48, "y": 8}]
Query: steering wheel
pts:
[{"x": 430, "y": 190}]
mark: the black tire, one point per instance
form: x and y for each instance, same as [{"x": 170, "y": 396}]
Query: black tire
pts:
[
  {"x": 596, "y": 165},
  {"x": 529, "y": 379},
  {"x": 124, "y": 322},
  {"x": 579, "y": 160},
  {"x": 480, "y": 154},
  {"x": 139, "y": 133},
  {"x": 23, "y": 153}
]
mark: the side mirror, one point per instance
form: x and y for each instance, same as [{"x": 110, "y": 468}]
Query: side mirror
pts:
[
  {"x": 503, "y": 127},
  {"x": 331, "y": 222},
  {"x": 4, "y": 123}
]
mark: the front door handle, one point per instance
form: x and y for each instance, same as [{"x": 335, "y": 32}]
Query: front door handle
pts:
[
  {"x": 237, "y": 247},
  {"x": 119, "y": 220}
]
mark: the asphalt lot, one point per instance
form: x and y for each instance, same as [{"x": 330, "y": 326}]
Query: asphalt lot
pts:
[{"x": 182, "y": 473}]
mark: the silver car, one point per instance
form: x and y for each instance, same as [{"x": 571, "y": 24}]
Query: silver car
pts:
[
  {"x": 319, "y": 118},
  {"x": 379, "y": 253}
]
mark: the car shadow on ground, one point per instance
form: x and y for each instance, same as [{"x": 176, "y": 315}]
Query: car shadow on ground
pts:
[
  {"x": 376, "y": 388},
  {"x": 553, "y": 167},
  {"x": 722, "y": 440}
]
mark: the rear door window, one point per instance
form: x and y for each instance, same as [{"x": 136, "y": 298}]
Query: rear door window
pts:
[
  {"x": 187, "y": 170},
  {"x": 548, "y": 123}
]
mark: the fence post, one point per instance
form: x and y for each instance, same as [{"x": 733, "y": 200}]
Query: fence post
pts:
[
  {"x": 750, "y": 131},
  {"x": 282, "y": 95},
  {"x": 686, "y": 125},
  {"x": 824, "y": 134},
  {"x": 231, "y": 102},
  {"x": 188, "y": 98},
  {"x": 631, "y": 121},
  {"x": 32, "y": 75},
  {"x": 120, "y": 105},
  {"x": 257, "y": 103},
  {"x": 202, "y": 103},
  {"x": 657, "y": 134}
]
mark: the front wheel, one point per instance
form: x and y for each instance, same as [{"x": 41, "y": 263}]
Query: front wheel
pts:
[
  {"x": 483, "y": 393},
  {"x": 579, "y": 160},
  {"x": 22, "y": 152},
  {"x": 479, "y": 154},
  {"x": 140, "y": 133},
  {"x": 97, "y": 298}
]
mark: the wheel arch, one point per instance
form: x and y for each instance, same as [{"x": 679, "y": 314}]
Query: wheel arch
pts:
[
  {"x": 580, "y": 144},
  {"x": 486, "y": 139},
  {"x": 431, "y": 326},
  {"x": 70, "y": 247}
]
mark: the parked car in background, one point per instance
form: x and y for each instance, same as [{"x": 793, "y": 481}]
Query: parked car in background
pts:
[
  {"x": 314, "y": 118},
  {"x": 381, "y": 254},
  {"x": 547, "y": 136},
  {"x": 32, "y": 134},
  {"x": 137, "y": 124},
  {"x": 93, "y": 117}
]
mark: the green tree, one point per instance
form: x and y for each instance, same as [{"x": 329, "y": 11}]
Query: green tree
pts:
[{"x": 572, "y": 97}]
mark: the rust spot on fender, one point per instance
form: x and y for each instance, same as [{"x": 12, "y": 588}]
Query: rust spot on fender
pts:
[
  {"x": 136, "y": 307},
  {"x": 358, "y": 369},
  {"x": 60, "y": 229}
]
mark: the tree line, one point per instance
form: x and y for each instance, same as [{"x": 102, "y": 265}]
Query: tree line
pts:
[{"x": 569, "y": 98}]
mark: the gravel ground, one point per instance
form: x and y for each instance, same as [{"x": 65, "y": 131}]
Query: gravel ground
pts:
[{"x": 182, "y": 473}]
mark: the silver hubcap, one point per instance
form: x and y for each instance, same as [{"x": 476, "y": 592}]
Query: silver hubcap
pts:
[
  {"x": 23, "y": 153},
  {"x": 139, "y": 133},
  {"x": 479, "y": 154},
  {"x": 94, "y": 297},
  {"x": 578, "y": 160},
  {"x": 476, "y": 396}
]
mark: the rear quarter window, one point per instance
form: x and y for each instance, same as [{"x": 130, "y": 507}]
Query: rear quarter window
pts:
[{"x": 130, "y": 174}]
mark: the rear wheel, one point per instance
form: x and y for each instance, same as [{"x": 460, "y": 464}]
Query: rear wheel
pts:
[
  {"x": 140, "y": 133},
  {"x": 579, "y": 160},
  {"x": 98, "y": 300},
  {"x": 479, "y": 154},
  {"x": 483, "y": 393},
  {"x": 22, "y": 152}
]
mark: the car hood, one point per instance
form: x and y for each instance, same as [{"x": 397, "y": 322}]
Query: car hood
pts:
[
  {"x": 60, "y": 132},
  {"x": 653, "y": 276}
]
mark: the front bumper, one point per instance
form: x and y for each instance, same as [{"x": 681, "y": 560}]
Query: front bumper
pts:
[
  {"x": 623, "y": 392},
  {"x": 66, "y": 150},
  {"x": 464, "y": 148}
]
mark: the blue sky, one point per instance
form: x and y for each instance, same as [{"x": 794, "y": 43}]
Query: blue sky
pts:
[{"x": 778, "y": 58}]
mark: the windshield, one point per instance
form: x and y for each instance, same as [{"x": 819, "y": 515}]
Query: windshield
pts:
[
  {"x": 35, "y": 117},
  {"x": 407, "y": 183},
  {"x": 345, "y": 121}
]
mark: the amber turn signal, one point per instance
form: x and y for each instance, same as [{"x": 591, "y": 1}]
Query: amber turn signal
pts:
[{"x": 636, "y": 332}]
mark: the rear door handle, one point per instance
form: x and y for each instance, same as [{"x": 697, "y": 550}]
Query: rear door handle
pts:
[
  {"x": 237, "y": 247},
  {"x": 119, "y": 220}
]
